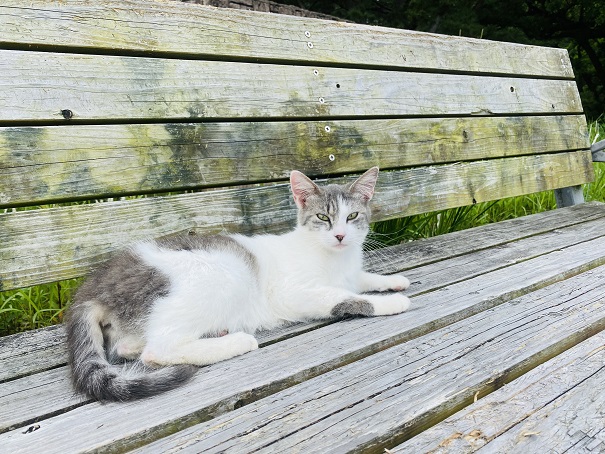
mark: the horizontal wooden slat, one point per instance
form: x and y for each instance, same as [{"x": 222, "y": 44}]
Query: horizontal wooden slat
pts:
[
  {"x": 574, "y": 376},
  {"x": 76, "y": 237},
  {"x": 173, "y": 27},
  {"x": 57, "y": 163},
  {"x": 486, "y": 248},
  {"x": 278, "y": 366},
  {"x": 38, "y": 86},
  {"x": 392, "y": 394}
]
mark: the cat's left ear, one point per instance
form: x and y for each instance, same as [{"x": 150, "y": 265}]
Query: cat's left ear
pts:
[
  {"x": 364, "y": 185},
  {"x": 302, "y": 188}
]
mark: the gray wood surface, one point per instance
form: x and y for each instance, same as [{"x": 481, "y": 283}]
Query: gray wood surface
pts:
[
  {"x": 78, "y": 237},
  {"x": 511, "y": 419},
  {"x": 471, "y": 253},
  {"x": 57, "y": 163},
  {"x": 390, "y": 394},
  {"x": 115, "y": 88},
  {"x": 193, "y": 31},
  {"x": 291, "y": 361}
]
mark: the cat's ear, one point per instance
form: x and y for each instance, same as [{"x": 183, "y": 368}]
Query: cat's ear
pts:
[
  {"x": 302, "y": 188},
  {"x": 364, "y": 185}
]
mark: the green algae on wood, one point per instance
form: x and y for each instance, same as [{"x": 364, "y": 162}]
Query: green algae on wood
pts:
[{"x": 92, "y": 161}]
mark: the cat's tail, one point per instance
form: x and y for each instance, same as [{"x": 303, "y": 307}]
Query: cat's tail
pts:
[{"x": 93, "y": 375}]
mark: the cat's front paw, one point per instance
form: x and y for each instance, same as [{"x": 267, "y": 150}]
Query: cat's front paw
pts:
[
  {"x": 398, "y": 282},
  {"x": 242, "y": 342},
  {"x": 390, "y": 304},
  {"x": 391, "y": 282}
]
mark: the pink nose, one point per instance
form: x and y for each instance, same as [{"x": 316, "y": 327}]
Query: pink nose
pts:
[{"x": 340, "y": 238}]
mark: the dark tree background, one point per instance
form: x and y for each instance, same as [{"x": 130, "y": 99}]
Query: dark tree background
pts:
[{"x": 577, "y": 25}]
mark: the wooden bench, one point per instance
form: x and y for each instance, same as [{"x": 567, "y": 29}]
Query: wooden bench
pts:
[{"x": 204, "y": 112}]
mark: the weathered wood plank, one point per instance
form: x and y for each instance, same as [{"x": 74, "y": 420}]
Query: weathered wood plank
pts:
[
  {"x": 530, "y": 395},
  {"x": 19, "y": 409},
  {"x": 191, "y": 30},
  {"x": 271, "y": 369},
  {"x": 268, "y": 370},
  {"x": 410, "y": 255},
  {"x": 38, "y": 350},
  {"x": 574, "y": 422},
  {"x": 393, "y": 393},
  {"x": 511, "y": 242},
  {"x": 78, "y": 237},
  {"x": 44, "y": 86},
  {"x": 41, "y": 164}
]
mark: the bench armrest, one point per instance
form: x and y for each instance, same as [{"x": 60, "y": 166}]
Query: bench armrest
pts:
[{"x": 598, "y": 153}]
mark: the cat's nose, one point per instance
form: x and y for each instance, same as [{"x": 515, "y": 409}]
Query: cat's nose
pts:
[{"x": 340, "y": 238}]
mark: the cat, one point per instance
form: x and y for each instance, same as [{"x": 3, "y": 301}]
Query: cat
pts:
[{"x": 178, "y": 303}]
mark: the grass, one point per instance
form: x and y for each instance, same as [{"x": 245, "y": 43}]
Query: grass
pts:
[{"x": 44, "y": 305}]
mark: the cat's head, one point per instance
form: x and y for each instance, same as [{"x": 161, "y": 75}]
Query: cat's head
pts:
[{"x": 339, "y": 215}]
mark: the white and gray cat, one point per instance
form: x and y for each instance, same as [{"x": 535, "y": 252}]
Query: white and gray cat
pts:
[{"x": 191, "y": 301}]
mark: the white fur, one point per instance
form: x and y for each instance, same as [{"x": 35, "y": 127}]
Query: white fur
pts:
[{"x": 300, "y": 275}]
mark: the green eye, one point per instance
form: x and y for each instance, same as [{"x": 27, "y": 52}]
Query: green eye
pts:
[
  {"x": 323, "y": 217},
  {"x": 352, "y": 216}
]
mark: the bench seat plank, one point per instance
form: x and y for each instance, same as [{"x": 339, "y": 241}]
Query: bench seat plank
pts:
[
  {"x": 504, "y": 244},
  {"x": 78, "y": 237},
  {"x": 103, "y": 88},
  {"x": 512, "y": 419},
  {"x": 390, "y": 394},
  {"x": 272, "y": 368},
  {"x": 41, "y": 391},
  {"x": 67, "y": 162},
  {"x": 158, "y": 28}
]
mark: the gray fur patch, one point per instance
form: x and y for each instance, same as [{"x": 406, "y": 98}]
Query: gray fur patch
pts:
[
  {"x": 125, "y": 285},
  {"x": 353, "y": 306},
  {"x": 210, "y": 243},
  {"x": 328, "y": 201}
]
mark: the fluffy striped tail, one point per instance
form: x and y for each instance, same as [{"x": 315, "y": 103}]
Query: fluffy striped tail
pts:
[{"x": 93, "y": 375}]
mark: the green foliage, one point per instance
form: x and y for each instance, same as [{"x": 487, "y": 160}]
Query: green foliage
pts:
[{"x": 34, "y": 307}]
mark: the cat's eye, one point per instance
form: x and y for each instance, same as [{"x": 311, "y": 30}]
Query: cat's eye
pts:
[
  {"x": 322, "y": 217},
  {"x": 352, "y": 216}
]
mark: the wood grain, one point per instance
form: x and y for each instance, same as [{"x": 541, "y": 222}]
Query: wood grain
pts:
[
  {"x": 130, "y": 89},
  {"x": 60, "y": 163},
  {"x": 575, "y": 375},
  {"x": 78, "y": 237},
  {"x": 388, "y": 395},
  {"x": 278, "y": 366},
  {"x": 192, "y": 31}
]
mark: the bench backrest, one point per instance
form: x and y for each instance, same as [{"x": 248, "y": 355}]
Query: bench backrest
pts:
[{"x": 108, "y": 99}]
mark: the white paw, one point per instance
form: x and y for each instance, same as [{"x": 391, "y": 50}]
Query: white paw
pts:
[
  {"x": 242, "y": 342},
  {"x": 399, "y": 282},
  {"x": 390, "y": 304}
]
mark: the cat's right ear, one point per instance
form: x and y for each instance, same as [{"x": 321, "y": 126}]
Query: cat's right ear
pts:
[{"x": 302, "y": 188}]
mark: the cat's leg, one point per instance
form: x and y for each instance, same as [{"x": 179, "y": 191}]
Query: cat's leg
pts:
[
  {"x": 200, "y": 352},
  {"x": 326, "y": 302},
  {"x": 370, "y": 282}
]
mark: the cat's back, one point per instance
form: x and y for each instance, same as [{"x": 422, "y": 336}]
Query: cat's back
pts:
[{"x": 137, "y": 275}]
